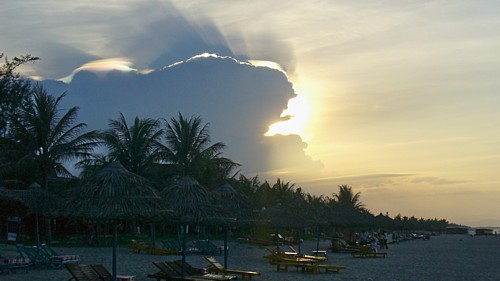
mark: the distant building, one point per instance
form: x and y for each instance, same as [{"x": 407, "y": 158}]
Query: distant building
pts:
[
  {"x": 457, "y": 230},
  {"x": 484, "y": 231}
]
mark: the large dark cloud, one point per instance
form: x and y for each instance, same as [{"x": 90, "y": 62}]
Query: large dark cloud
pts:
[{"x": 239, "y": 101}]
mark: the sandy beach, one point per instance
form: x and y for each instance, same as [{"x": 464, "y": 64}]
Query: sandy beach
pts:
[{"x": 445, "y": 257}]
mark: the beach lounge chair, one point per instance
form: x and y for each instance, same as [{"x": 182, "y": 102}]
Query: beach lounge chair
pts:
[
  {"x": 313, "y": 257},
  {"x": 273, "y": 257},
  {"x": 207, "y": 247},
  {"x": 93, "y": 272},
  {"x": 58, "y": 259},
  {"x": 102, "y": 271},
  {"x": 172, "y": 246},
  {"x": 136, "y": 246},
  {"x": 216, "y": 267},
  {"x": 37, "y": 257},
  {"x": 146, "y": 247},
  {"x": 105, "y": 275},
  {"x": 11, "y": 265},
  {"x": 366, "y": 252},
  {"x": 82, "y": 272},
  {"x": 171, "y": 270},
  {"x": 339, "y": 245}
]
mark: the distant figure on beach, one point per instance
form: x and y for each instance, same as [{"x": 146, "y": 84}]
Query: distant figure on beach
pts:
[
  {"x": 383, "y": 240},
  {"x": 92, "y": 234},
  {"x": 373, "y": 245}
]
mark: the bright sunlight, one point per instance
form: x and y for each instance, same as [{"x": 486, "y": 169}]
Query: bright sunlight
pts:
[{"x": 297, "y": 113}]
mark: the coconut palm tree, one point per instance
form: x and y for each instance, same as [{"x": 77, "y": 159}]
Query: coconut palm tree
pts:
[
  {"x": 136, "y": 147},
  {"x": 191, "y": 153},
  {"x": 346, "y": 199},
  {"x": 48, "y": 139}
]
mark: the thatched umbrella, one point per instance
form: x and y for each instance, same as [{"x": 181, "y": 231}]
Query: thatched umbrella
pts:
[
  {"x": 384, "y": 221},
  {"x": 40, "y": 201},
  {"x": 115, "y": 193},
  {"x": 191, "y": 203},
  {"x": 348, "y": 218},
  {"x": 293, "y": 215},
  {"x": 234, "y": 205}
]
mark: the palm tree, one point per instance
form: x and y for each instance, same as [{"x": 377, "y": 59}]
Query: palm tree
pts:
[
  {"x": 346, "y": 198},
  {"x": 136, "y": 147},
  {"x": 190, "y": 151},
  {"x": 47, "y": 139}
]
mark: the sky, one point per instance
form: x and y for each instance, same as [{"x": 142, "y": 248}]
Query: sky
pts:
[{"x": 397, "y": 99}]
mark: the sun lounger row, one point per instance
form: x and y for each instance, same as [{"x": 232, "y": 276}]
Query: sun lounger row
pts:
[
  {"x": 306, "y": 263},
  {"x": 147, "y": 247},
  {"x": 173, "y": 247},
  {"x": 45, "y": 256}
]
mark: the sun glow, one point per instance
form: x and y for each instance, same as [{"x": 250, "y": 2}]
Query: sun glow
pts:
[
  {"x": 266, "y": 63},
  {"x": 297, "y": 115}
]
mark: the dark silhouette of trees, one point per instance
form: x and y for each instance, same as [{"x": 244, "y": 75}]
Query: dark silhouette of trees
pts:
[
  {"x": 190, "y": 151},
  {"x": 14, "y": 89},
  {"x": 137, "y": 147},
  {"x": 347, "y": 199}
]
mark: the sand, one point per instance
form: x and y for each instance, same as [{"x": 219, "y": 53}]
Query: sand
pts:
[{"x": 445, "y": 257}]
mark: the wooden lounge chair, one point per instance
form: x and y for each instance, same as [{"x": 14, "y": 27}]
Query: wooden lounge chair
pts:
[
  {"x": 172, "y": 246},
  {"x": 366, "y": 252},
  {"x": 93, "y": 272},
  {"x": 339, "y": 245},
  {"x": 313, "y": 257},
  {"x": 102, "y": 271},
  {"x": 170, "y": 271},
  {"x": 207, "y": 247},
  {"x": 147, "y": 247},
  {"x": 136, "y": 246},
  {"x": 105, "y": 275},
  {"x": 274, "y": 258},
  {"x": 216, "y": 267},
  {"x": 82, "y": 272}
]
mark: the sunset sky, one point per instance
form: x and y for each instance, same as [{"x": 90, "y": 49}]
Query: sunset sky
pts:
[{"x": 398, "y": 99}]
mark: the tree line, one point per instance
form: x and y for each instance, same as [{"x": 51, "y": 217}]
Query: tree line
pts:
[{"x": 37, "y": 140}]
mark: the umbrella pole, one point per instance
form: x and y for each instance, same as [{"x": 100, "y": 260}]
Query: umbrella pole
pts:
[
  {"x": 153, "y": 234},
  {"x": 184, "y": 230},
  {"x": 299, "y": 244},
  {"x": 317, "y": 243},
  {"x": 225, "y": 246},
  {"x": 37, "y": 234},
  {"x": 114, "y": 249}
]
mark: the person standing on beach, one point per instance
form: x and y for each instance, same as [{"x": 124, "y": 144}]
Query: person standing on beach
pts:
[{"x": 373, "y": 245}]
